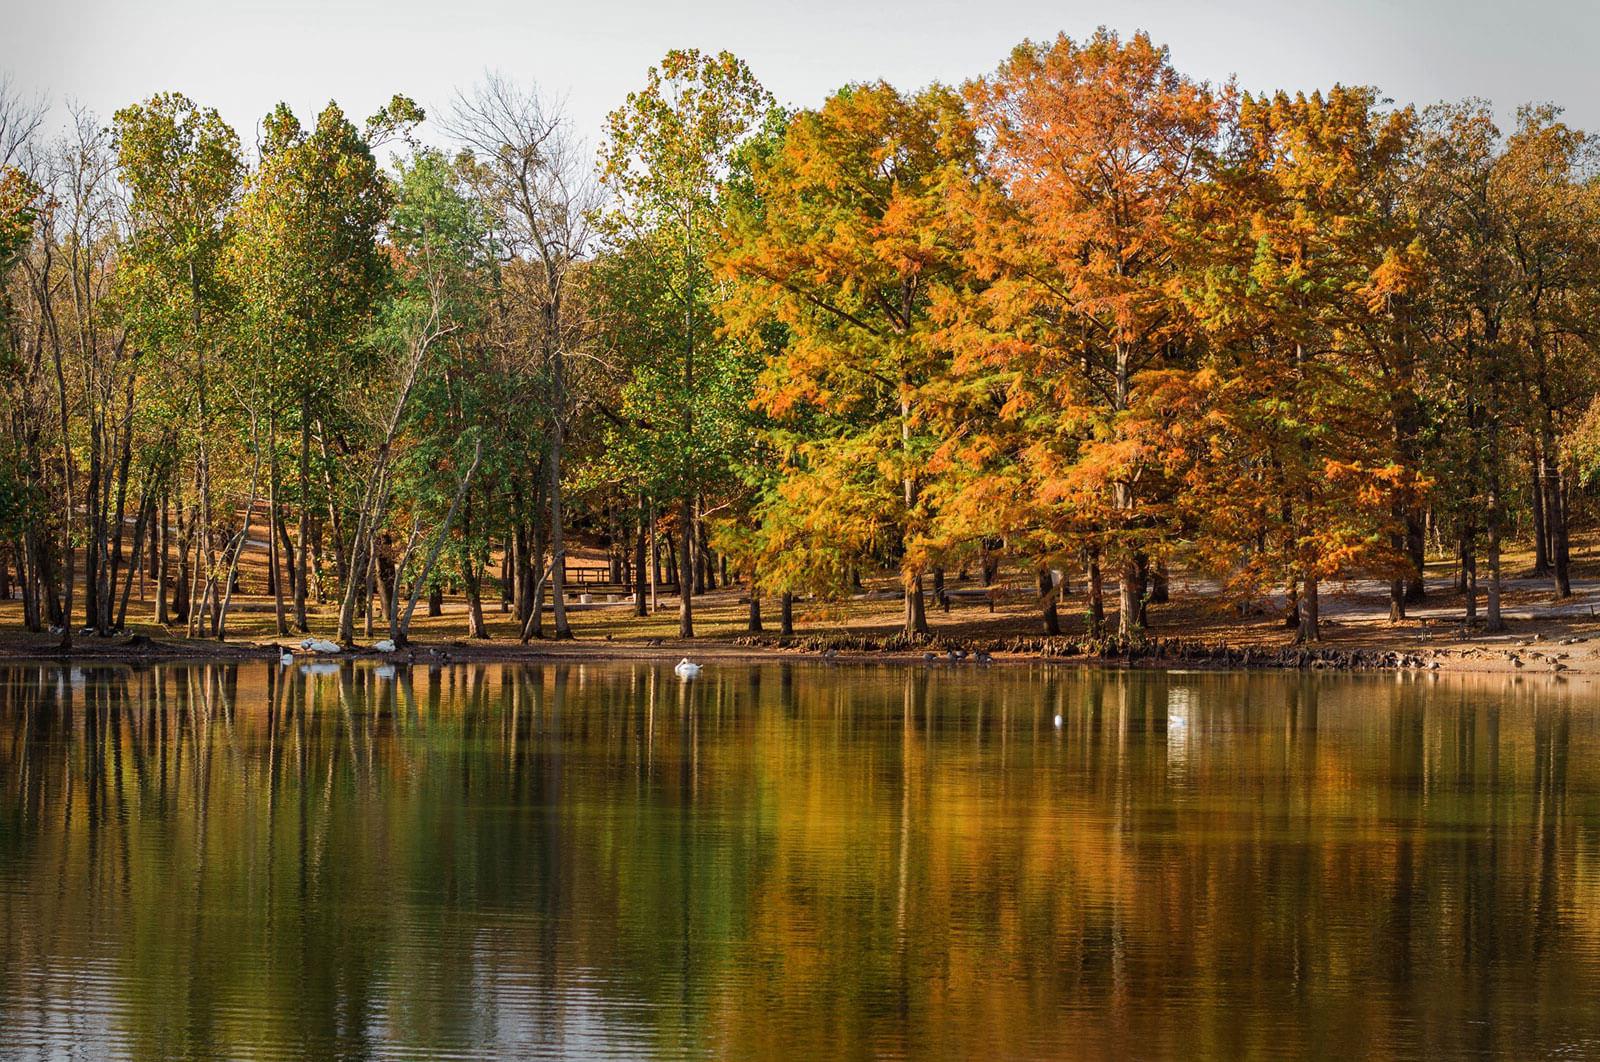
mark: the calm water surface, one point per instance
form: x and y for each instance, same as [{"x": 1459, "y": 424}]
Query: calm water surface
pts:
[{"x": 797, "y": 862}]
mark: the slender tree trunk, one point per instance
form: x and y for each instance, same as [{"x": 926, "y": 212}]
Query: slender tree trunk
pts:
[
  {"x": 639, "y": 602},
  {"x": 1469, "y": 573},
  {"x": 238, "y": 551},
  {"x": 1555, "y": 513},
  {"x": 1541, "y": 539},
  {"x": 162, "y": 615},
  {"x": 135, "y": 564},
  {"x": 281, "y": 623},
  {"x": 786, "y": 613},
  {"x": 400, "y": 630},
  {"x": 916, "y": 616},
  {"x": 471, "y": 578},
  {"x": 1493, "y": 622},
  {"x": 558, "y": 548},
  {"x": 68, "y": 506},
  {"x": 686, "y": 568},
  {"x": 302, "y": 530},
  {"x": 1097, "y": 599},
  {"x": 119, "y": 513}
]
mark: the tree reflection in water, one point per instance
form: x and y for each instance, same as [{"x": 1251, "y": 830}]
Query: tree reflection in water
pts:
[{"x": 794, "y": 861}]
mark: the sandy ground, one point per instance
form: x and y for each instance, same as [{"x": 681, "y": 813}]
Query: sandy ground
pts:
[{"x": 1543, "y": 635}]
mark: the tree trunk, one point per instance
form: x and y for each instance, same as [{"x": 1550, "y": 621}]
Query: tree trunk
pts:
[
  {"x": 558, "y": 548},
  {"x": 471, "y": 579},
  {"x": 1130, "y": 605},
  {"x": 163, "y": 617},
  {"x": 916, "y": 617},
  {"x": 1541, "y": 539},
  {"x": 302, "y": 530},
  {"x": 686, "y": 569},
  {"x": 753, "y": 624},
  {"x": 274, "y": 524},
  {"x": 1492, "y": 622},
  {"x": 640, "y": 604},
  {"x": 1097, "y": 598},
  {"x": 1047, "y": 598},
  {"x": 786, "y": 613},
  {"x": 1416, "y": 543},
  {"x": 1555, "y": 515},
  {"x": 400, "y": 624},
  {"x": 1310, "y": 629}
]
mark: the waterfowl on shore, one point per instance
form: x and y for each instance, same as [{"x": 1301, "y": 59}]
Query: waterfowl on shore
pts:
[{"x": 687, "y": 669}]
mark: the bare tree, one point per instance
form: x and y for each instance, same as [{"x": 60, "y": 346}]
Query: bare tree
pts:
[{"x": 539, "y": 182}]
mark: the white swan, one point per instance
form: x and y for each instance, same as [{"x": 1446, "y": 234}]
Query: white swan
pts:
[
  {"x": 286, "y": 659},
  {"x": 687, "y": 669},
  {"x": 321, "y": 645},
  {"x": 385, "y": 646}
]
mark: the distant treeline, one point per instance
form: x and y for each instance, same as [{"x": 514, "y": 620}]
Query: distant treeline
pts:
[{"x": 1085, "y": 313}]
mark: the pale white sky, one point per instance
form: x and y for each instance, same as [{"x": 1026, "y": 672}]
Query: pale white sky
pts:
[{"x": 242, "y": 57}]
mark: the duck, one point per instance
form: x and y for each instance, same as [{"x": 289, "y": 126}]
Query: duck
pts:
[
  {"x": 928, "y": 658},
  {"x": 983, "y": 656},
  {"x": 1058, "y": 720},
  {"x": 687, "y": 669}
]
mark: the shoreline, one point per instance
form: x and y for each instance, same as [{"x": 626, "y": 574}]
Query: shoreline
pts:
[{"x": 1567, "y": 658}]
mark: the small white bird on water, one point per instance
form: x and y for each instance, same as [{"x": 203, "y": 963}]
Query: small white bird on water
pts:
[
  {"x": 687, "y": 669},
  {"x": 1058, "y": 722}
]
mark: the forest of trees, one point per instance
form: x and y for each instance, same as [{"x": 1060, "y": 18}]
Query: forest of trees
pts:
[{"x": 1084, "y": 313}]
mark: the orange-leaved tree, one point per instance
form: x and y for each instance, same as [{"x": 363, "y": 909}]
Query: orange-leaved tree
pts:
[
  {"x": 1096, "y": 149},
  {"x": 1290, "y": 452},
  {"x": 850, "y": 246}
]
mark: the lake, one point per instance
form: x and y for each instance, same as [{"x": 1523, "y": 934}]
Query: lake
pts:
[{"x": 795, "y": 861}]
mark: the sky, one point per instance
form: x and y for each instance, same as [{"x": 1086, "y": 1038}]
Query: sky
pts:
[{"x": 243, "y": 57}]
